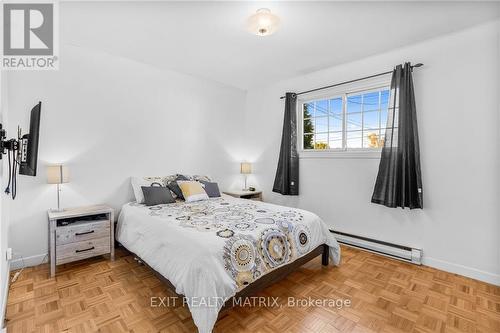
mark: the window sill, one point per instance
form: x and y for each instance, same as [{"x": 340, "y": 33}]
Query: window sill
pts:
[{"x": 337, "y": 154}]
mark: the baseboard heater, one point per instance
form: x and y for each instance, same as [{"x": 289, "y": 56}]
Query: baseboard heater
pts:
[{"x": 395, "y": 251}]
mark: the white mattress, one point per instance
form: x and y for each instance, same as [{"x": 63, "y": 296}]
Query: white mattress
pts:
[{"x": 212, "y": 249}]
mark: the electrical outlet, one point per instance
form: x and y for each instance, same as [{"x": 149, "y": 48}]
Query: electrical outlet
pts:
[{"x": 8, "y": 253}]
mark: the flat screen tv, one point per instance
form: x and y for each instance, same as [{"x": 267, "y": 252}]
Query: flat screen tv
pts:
[{"x": 29, "y": 144}]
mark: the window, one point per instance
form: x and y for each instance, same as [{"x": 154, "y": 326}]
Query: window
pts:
[{"x": 352, "y": 121}]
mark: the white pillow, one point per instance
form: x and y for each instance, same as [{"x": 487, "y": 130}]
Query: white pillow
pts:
[{"x": 138, "y": 182}]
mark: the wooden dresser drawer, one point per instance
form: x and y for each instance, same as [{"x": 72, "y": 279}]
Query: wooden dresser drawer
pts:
[
  {"x": 81, "y": 250},
  {"x": 81, "y": 232}
]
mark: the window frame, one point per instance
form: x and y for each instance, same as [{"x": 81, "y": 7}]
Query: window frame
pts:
[{"x": 343, "y": 91}]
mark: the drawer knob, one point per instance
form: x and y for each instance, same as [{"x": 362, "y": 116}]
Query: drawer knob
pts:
[
  {"x": 84, "y": 233},
  {"x": 90, "y": 248}
]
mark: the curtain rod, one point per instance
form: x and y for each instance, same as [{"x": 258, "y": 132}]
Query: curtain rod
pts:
[{"x": 350, "y": 81}]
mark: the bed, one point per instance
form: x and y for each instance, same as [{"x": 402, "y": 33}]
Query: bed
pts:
[{"x": 211, "y": 250}]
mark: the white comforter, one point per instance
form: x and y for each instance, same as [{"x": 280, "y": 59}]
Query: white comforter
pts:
[{"x": 212, "y": 249}]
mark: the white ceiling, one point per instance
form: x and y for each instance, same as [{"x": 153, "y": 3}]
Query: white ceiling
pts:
[{"x": 208, "y": 39}]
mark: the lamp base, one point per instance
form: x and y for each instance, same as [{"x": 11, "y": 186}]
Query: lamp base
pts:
[{"x": 57, "y": 210}]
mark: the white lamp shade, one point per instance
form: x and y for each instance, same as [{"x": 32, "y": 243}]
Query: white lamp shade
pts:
[
  {"x": 57, "y": 174},
  {"x": 263, "y": 22},
  {"x": 246, "y": 168}
]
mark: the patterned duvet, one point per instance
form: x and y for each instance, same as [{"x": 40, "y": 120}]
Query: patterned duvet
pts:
[{"x": 212, "y": 249}]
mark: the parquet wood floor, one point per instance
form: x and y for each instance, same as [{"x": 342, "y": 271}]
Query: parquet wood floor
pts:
[{"x": 97, "y": 295}]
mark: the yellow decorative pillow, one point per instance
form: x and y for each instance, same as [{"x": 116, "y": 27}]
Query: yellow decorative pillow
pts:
[{"x": 192, "y": 191}]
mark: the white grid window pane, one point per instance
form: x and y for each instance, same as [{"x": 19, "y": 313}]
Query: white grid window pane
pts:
[
  {"x": 308, "y": 126},
  {"x": 321, "y": 108},
  {"x": 308, "y": 142},
  {"x": 308, "y": 110},
  {"x": 335, "y": 140},
  {"x": 384, "y": 99},
  {"x": 371, "y": 101},
  {"x": 321, "y": 141},
  {"x": 336, "y": 106},
  {"x": 354, "y": 104},
  {"x": 372, "y": 139},
  {"x": 335, "y": 123},
  {"x": 321, "y": 124},
  {"x": 353, "y": 121},
  {"x": 371, "y": 120}
]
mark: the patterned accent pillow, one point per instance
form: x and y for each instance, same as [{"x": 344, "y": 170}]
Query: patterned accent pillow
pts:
[
  {"x": 192, "y": 190},
  {"x": 171, "y": 182},
  {"x": 174, "y": 187},
  {"x": 201, "y": 178},
  {"x": 170, "y": 178}
]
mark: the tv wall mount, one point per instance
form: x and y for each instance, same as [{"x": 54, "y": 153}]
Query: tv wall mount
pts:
[
  {"x": 8, "y": 145},
  {"x": 15, "y": 156},
  {"x": 22, "y": 153}
]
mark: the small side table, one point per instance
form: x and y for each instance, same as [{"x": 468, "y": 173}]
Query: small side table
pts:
[
  {"x": 80, "y": 233},
  {"x": 252, "y": 195}
]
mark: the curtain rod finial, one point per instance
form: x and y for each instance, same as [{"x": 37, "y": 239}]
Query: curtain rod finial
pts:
[{"x": 418, "y": 65}]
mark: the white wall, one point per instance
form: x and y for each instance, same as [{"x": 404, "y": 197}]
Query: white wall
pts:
[
  {"x": 4, "y": 209},
  {"x": 108, "y": 118},
  {"x": 498, "y": 137},
  {"x": 457, "y": 105}
]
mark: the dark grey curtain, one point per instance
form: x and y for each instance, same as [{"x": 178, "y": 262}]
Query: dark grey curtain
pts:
[
  {"x": 286, "y": 181},
  {"x": 399, "y": 180}
]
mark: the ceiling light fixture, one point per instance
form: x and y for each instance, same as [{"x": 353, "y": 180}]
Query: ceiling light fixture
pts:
[{"x": 263, "y": 22}]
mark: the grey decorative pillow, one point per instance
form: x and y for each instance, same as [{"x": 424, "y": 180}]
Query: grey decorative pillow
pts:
[
  {"x": 211, "y": 188},
  {"x": 157, "y": 195},
  {"x": 174, "y": 187},
  {"x": 138, "y": 182}
]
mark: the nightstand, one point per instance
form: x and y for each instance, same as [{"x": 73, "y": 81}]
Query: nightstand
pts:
[
  {"x": 252, "y": 195},
  {"x": 80, "y": 233}
]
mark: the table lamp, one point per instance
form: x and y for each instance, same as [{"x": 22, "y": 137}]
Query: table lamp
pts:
[
  {"x": 246, "y": 169},
  {"x": 57, "y": 174}
]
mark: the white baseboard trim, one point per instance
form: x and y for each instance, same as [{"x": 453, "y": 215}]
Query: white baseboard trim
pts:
[
  {"x": 459, "y": 269},
  {"x": 35, "y": 260},
  {"x": 5, "y": 292},
  {"x": 13, "y": 265},
  {"x": 428, "y": 261},
  {"x": 470, "y": 272}
]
